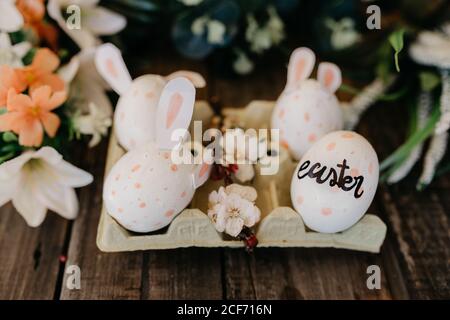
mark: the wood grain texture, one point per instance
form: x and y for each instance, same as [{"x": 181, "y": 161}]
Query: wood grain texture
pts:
[
  {"x": 29, "y": 257},
  {"x": 183, "y": 274},
  {"x": 414, "y": 260}
]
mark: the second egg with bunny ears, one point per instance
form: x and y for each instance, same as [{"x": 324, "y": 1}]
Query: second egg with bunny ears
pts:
[
  {"x": 307, "y": 109},
  {"x": 136, "y": 109},
  {"x": 148, "y": 186}
]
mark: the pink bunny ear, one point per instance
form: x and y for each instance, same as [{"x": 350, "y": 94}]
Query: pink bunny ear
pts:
[
  {"x": 174, "y": 113},
  {"x": 112, "y": 68},
  {"x": 196, "y": 78},
  {"x": 329, "y": 75},
  {"x": 203, "y": 170},
  {"x": 201, "y": 174},
  {"x": 301, "y": 65}
]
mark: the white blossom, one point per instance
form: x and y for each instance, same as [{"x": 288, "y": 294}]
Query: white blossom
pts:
[
  {"x": 424, "y": 107},
  {"x": 242, "y": 65},
  {"x": 96, "y": 123},
  {"x": 191, "y": 3},
  {"x": 10, "y": 54},
  {"x": 232, "y": 208},
  {"x": 343, "y": 33},
  {"x": 432, "y": 48},
  {"x": 434, "y": 155},
  {"x": 85, "y": 83},
  {"x": 216, "y": 32},
  {"x": 263, "y": 38},
  {"x": 37, "y": 181},
  {"x": 215, "y": 29},
  {"x": 241, "y": 148},
  {"x": 198, "y": 27},
  {"x": 90, "y": 108},
  {"x": 10, "y": 18},
  {"x": 95, "y": 21}
]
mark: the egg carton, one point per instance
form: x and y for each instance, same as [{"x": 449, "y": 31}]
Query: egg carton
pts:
[{"x": 280, "y": 225}]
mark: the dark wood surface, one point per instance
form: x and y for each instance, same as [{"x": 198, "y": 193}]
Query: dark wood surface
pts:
[{"x": 414, "y": 260}]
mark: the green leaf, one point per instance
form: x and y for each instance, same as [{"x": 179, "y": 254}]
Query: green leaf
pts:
[
  {"x": 394, "y": 95},
  {"x": 349, "y": 89},
  {"x": 429, "y": 80},
  {"x": 413, "y": 141},
  {"x": 396, "y": 41},
  {"x": 9, "y": 137},
  {"x": 6, "y": 157}
]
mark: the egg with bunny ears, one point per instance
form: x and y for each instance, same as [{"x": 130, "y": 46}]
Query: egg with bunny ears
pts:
[
  {"x": 136, "y": 109},
  {"x": 335, "y": 182},
  {"x": 307, "y": 109},
  {"x": 148, "y": 186}
]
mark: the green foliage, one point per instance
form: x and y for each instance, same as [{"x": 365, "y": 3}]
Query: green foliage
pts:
[
  {"x": 396, "y": 39},
  {"x": 400, "y": 155},
  {"x": 429, "y": 80},
  {"x": 9, "y": 137}
]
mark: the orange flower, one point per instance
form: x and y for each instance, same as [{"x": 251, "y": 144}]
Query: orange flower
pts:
[
  {"x": 9, "y": 78},
  {"x": 30, "y": 116},
  {"x": 40, "y": 72},
  {"x": 31, "y": 10}
]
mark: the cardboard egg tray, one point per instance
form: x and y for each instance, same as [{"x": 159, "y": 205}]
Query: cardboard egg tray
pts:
[{"x": 280, "y": 225}]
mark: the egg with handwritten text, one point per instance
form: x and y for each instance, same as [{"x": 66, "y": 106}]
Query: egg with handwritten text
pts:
[{"x": 335, "y": 182}]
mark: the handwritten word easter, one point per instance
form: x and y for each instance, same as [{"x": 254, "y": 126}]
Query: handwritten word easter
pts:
[{"x": 341, "y": 180}]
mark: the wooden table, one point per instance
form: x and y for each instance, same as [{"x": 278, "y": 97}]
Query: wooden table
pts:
[{"x": 414, "y": 261}]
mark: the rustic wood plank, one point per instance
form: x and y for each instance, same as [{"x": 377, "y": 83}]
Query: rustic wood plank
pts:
[
  {"x": 417, "y": 221},
  {"x": 238, "y": 278},
  {"x": 421, "y": 229},
  {"x": 183, "y": 274},
  {"x": 103, "y": 276},
  {"x": 29, "y": 257}
]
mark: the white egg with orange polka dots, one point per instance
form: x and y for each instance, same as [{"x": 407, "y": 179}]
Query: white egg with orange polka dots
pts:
[
  {"x": 149, "y": 186},
  {"x": 137, "y": 106},
  {"x": 307, "y": 109},
  {"x": 335, "y": 182}
]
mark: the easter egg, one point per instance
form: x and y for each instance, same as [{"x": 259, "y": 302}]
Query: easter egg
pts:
[
  {"x": 134, "y": 118},
  {"x": 304, "y": 115},
  {"x": 335, "y": 182},
  {"x": 145, "y": 190}
]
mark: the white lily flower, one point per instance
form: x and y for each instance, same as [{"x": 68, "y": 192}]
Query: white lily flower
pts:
[
  {"x": 40, "y": 180},
  {"x": 10, "y": 18},
  {"x": 12, "y": 55},
  {"x": 232, "y": 208},
  {"x": 86, "y": 84},
  {"x": 96, "y": 123},
  {"x": 95, "y": 21}
]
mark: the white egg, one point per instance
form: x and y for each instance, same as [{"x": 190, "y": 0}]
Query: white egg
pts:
[
  {"x": 145, "y": 190},
  {"x": 304, "y": 115},
  {"x": 134, "y": 118},
  {"x": 335, "y": 182}
]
